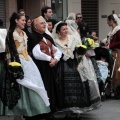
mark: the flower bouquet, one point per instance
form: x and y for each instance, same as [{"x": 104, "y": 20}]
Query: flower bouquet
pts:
[
  {"x": 14, "y": 68},
  {"x": 81, "y": 50},
  {"x": 89, "y": 43}
]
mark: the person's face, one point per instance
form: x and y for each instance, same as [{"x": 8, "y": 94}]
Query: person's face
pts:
[
  {"x": 29, "y": 23},
  {"x": 97, "y": 43},
  {"x": 94, "y": 34},
  {"x": 40, "y": 26},
  {"x": 50, "y": 26},
  {"x": 63, "y": 31},
  {"x": 79, "y": 18},
  {"x": 118, "y": 16},
  {"x": 22, "y": 12},
  {"x": 110, "y": 22},
  {"x": 21, "y": 22},
  {"x": 49, "y": 14}
]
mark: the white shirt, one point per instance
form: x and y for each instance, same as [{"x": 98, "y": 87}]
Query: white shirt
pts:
[
  {"x": 3, "y": 34},
  {"x": 38, "y": 54}
]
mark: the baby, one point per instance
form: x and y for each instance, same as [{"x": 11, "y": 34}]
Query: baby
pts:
[{"x": 102, "y": 59}]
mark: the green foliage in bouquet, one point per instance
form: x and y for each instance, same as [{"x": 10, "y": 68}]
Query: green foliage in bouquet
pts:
[{"x": 88, "y": 44}]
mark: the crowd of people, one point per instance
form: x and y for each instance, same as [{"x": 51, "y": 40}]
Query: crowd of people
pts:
[{"x": 64, "y": 67}]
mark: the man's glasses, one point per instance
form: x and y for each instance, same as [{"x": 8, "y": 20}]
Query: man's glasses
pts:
[{"x": 79, "y": 17}]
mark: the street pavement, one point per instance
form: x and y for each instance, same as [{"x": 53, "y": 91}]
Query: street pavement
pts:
[{"x": 110, "y": 110}]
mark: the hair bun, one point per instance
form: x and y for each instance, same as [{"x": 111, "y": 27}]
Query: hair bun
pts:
[
  {"x": 13, "y": 16},
  {"x": 12, "y": 19}
]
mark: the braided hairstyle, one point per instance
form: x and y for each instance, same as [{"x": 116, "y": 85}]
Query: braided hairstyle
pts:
[{"x": 10, "y": 41}]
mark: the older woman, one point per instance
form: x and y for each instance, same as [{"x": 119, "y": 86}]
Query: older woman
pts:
[{"x": 114, "y": 45}]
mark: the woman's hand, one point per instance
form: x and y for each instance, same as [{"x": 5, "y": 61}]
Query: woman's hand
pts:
[{"x": 107, "y": 46}]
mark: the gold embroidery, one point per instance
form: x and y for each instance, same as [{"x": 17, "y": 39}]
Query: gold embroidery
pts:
[{"x": 23, "y": 53}]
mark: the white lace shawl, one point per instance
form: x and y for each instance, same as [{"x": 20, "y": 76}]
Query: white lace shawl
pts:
[
  {"x": 86, "y": 70},
  {"x": 67, "y": 50},
  {"x": 112, "y": 32}
]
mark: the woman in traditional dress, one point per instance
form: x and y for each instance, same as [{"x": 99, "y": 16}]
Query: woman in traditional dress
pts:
[
  {"x": 114, "y": 45},
  {"x": 73, "y": 96},
  {"x": 89, "y": 70},
  {"x": 25, "y": 94},
  {"x": 91, "y": 87}
]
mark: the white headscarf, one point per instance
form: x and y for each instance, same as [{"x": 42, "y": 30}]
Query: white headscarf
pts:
[
  {"x": 73, "y": 41},
  {"x": 112, "y": 32},
  {"x": 71, "y": 16},
  {"x": 116, "y": 19},
  {"x": 71, "y": 21},
  {"x": 73, "y": 26},
  {"x": 71, "y": 31},
  {"x": 54, "y": 34}
]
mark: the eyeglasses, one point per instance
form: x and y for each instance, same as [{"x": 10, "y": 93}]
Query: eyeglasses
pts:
[{"x": 79, "y": 17}]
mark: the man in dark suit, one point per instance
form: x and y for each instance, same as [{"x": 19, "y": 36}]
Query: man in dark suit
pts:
[{"x": 83, "y": 26}]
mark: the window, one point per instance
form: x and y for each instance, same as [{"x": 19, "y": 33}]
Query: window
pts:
[
  {"x": 2, "y": 11},
  {"x": 90, "y": 13}
]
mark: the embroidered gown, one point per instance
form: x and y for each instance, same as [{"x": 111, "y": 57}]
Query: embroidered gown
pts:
[
  {"x": 114, "y": 38},
  {"x": 33, "y": 96},
  {"x": 71, "y": 89},
  {"x": 115, "y": 47},
  {"x": 88, "y": 76}
]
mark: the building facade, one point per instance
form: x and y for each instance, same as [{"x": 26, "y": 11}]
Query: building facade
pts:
[
  {"x": 31, "y": 7},
  {"x": 94, "y": 12}
]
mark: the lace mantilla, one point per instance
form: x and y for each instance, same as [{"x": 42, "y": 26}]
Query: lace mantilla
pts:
[{"x": 67, "y": 50}]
